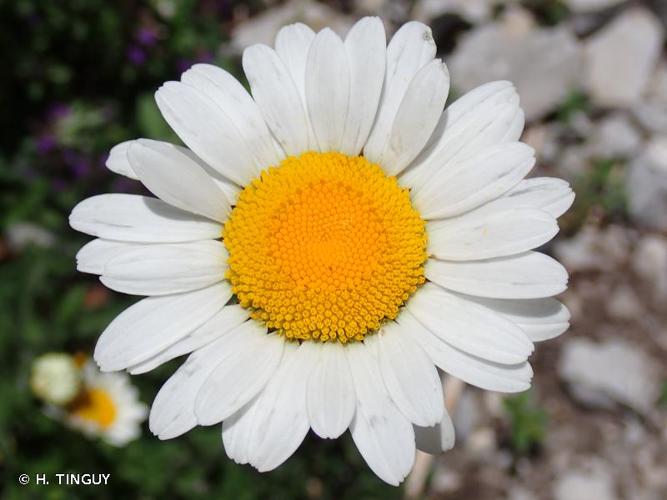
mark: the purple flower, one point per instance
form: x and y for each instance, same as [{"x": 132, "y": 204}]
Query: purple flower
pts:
[
  {"x": 203, "y": 56},
  {"x": 80, "y": 168},
  {"x": 58, "y": 111},
  {"x": 146, "y": 36},
  {"x": 136, "y": 55},
  {"x": 78, "y": 163},
  {"x": 59, "y": 185},
  {"x": 45, "y": 143}
]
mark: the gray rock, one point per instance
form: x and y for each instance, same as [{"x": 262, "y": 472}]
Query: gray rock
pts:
[
  {"x": 652, "y": 111},
  {"x": 544, "y": 64},
  {"x": 467, "y": 415},
  {"x": 264, "y": 27},
  {"x": 474, "y": 11},
  {"x": 622, "y": 56},
  {"x": 597, "y": 484},
  {"x": 590, "y": 5},
  {"x": 615, "y": 136},
  {"x": 623, "y": 303},
  {"x": 612, "y": 371},
  {"x": 649, "y": 261},
  {"x": 646, "y": 185},
  {"x": 594, "y": 249},
  {"x": 446, "y": 480}
]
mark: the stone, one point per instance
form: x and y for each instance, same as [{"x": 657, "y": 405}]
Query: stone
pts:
[
  {"x": 623, "y": 303},
  {"x": 446, "y": 480},
  {"x": 621, "y": 57},
  {"x": 646, "y": 185},
  {"x": 579, "y": 6},
  {"x": 473, "y": 11},
  {"x": 520, "y": 493},
  {"x": 481, "y": 443},
  {"x": 544, "y": 64},
  {"x": 467, "y": 415},
  {"x": 597, "y": 484},
  {"x": 613, "y": 371},
  {"x": 651, "y": 112},
  {"x": 615, "y": 136},
  {"x": 264, "y": 27},
  {"x": 649, "y": 262},
  {"x": 594, "y": 249}
]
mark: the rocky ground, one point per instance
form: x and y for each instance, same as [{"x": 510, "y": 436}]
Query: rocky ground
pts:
[{"x": 592, "y": 75}]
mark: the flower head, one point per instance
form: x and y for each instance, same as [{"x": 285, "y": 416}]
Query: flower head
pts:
[
  {"x": 107, "y": 406},
  {"x": 323, "y": 246}
]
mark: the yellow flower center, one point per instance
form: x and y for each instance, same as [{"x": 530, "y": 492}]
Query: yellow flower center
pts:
[
  {"x": 325, "y": 246},
  {"x": 95, "y": 405}
]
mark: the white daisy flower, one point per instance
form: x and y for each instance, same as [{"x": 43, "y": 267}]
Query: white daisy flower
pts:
[
  {"x": 368, "y": 237},
  {"x": 107, "y": 406}
]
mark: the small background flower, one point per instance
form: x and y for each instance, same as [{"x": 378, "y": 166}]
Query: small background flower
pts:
[
  {"x": 592, "y": 75},
  {"x": 102, "y": 405}
]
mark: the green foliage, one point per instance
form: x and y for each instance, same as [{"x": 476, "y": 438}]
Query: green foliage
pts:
[
  {"x": 547, "y": 12},
  {"x": 575, "y": 102},
  {"x": 662, "y": 400},
  {"x": 602, "y": 188},
  {"x": 528, "y": 423}
]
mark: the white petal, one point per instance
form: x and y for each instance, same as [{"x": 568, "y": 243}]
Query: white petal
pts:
[
  {"x": 283, "y": 417},
  {"x": 234, "y": 100},
  {"x": 166, "y": 269},
  {"x": 475, "y": 371},
  {"x": 241, "y": 434},
  {"x": 484, "y": 236},
  {"x": 330, "y": 397},
  {"x": 174, "y": 175},
  {"x": 242, "y": 373},
  {"x": 541, "y": 319},
  {"x": 94, "y": 255},
  {"x": 475, "y": 181},
  {"x": 384, "y": 437},
  {"x": 278, "y": 98},
  {"x": 327, "y": 89},
  {"x": 228, "y": 318},
  {"x": 487, "y": 116},
  {"x": 292, "y": 45},
  {"x": 173, "y": 411},
  {"x": 118, "y": 161},
  {"x": 467, "y": 326},
  {"x": 498, "y": 92},
  {"x": 416, "y": 117},
  {"x": 129, "y": 217},
  {"x": 436, "y": 439},
  {"x": 207, "y": 130},
  {"x": 525, "y": 276},
  {"x": 276, "y": 422},
  {"x": 409, "y": 375},
  {"x": 551, "y": 195},
  {"x": 154, "y": 323},
  {"x": 408, "y": 51},
  {"x": 121, "y": 164},
  {"x": 365, "y": 45}
]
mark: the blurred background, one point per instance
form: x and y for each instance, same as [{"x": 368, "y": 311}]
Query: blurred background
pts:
[{"x": 79, "y": 77}]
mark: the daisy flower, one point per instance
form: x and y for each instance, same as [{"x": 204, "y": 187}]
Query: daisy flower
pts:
[
  {"x": 107, "y": 406},
  {"x": 324, "y": 245}
]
